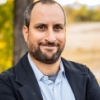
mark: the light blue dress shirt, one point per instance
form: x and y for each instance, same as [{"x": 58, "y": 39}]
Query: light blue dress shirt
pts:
[{"x": 58, "y": 90}]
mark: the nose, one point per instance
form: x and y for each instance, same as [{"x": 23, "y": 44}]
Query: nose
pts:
[{"x": 50, "y": 36}]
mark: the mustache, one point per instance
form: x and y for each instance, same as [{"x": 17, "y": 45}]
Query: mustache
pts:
[{"x": 49, "y": 44}]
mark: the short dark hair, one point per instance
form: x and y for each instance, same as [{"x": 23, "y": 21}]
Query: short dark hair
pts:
[{"x": 31, "y": 6}]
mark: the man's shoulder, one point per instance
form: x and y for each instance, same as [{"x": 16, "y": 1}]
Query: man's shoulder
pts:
[
  {"x": 22, "y": 66},
  {"x": 6, "y": 76},
  {"x": 74, "y": 66}
]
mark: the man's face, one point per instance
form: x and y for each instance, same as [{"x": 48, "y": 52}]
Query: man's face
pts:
[{"x": 46, "y": 35}]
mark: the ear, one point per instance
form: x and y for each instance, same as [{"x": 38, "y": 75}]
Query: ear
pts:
[{"x": 25, "y": 32}]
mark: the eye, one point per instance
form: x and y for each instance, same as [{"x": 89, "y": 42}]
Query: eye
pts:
[
  {"x": 41, "y": 27},
  {"x": 58, "y": 27}
]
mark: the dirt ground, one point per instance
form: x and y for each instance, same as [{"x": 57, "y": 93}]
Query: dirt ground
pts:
[{"x": 83, "y": 45}]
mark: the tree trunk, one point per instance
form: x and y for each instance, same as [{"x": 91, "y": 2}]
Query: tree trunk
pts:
[{"x": 19, "y": 44}]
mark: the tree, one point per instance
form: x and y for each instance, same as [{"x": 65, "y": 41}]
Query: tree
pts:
[
  {"x": 19, "y": 45},
  {"x": 6, "y": 37}
]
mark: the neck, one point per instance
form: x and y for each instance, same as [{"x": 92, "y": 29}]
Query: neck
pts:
[{"x": 47, "y": 69}]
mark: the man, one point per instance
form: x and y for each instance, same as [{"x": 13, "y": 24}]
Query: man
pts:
[{"x": 42, "y": 74}]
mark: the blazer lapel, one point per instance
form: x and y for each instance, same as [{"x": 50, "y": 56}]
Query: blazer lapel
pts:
[
  {"x": 30, "y": 92},
  {"x": 29, "y": 89},
  {"x": 76, "y": 85},
  {"x": 77, "y": 81}
]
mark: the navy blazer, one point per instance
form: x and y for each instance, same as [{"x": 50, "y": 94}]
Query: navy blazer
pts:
[{"x": 19, "y": 82}]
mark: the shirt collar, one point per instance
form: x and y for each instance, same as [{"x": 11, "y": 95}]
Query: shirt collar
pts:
[
  {"x": 37, "y": 72},
  {"x": 62, "y": 67},
  {"x": 39, "y": 75}
]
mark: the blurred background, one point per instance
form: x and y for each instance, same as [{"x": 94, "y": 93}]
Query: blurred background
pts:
[{"x": 83, "y": 32}]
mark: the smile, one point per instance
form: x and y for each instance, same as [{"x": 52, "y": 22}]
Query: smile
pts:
[{"x": 49, "y": 47}]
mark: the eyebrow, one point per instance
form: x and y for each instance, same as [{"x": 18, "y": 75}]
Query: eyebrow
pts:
[
  {"x": 60, "y": 24},
  {"x": 47, "y": 24}
]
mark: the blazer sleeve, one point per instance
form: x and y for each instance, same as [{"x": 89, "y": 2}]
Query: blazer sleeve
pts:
[
  {"x": 93, "y": 88},
  {"x": 6, "y": 91}
]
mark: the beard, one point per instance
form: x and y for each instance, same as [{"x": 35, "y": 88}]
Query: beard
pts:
[{"x": 43, "y": 57}]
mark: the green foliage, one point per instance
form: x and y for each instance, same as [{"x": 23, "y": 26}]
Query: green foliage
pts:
[
  {"x": 82, "y": 14},
  {"x": 6, "y": 35}
]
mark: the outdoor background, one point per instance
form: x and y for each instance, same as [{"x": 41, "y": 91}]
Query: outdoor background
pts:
[{"x": 83, "y": 33}]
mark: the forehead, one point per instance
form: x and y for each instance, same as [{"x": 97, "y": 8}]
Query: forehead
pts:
[{"x": 47, "y": 12}]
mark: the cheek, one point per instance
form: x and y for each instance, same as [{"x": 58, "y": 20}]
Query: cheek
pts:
[
  {"x": 61, "y": 38},
  {"x": 36, "y": 36}
]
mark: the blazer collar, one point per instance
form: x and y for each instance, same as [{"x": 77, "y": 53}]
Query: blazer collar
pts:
[
  {"x": 25, "y": 77},
  {"x": 76, "y": 79}
]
